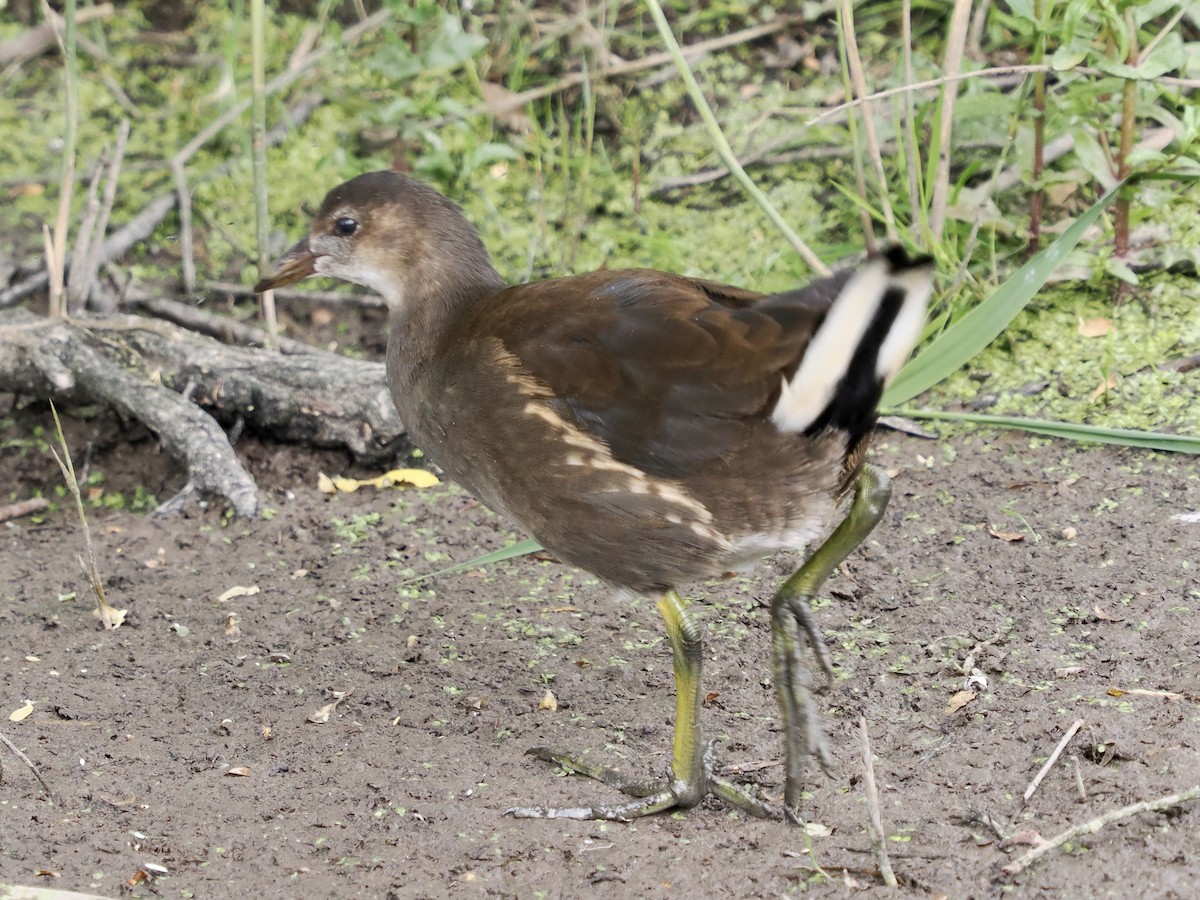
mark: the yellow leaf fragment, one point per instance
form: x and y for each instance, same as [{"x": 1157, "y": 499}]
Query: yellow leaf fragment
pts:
[
  {"x": 1143, "y": 692},
  {"x": 321, "y": 716},
  {"x": 239, "y": 771},
  {"x": 548, "y": 701},
  {"x": 20, "y": 715},
  {"x": 347, "y": 485},
  {"x": 958, "y": 701},
  {"x": 1092, "y": 328},
  {"x": 238, "y": 591},
  {"x": 418, "y": 478},
  {"x": 1009, "y": 536},
  {"x": 1104, "y": 387},
  {"x": 110, "y": 616}
]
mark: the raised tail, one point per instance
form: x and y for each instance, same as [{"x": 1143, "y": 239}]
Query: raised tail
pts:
[{"x": 873, "y": 321}]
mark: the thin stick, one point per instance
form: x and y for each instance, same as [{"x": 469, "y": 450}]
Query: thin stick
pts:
[
  {"x": 845, "y": 48},
  {"x": 342, "y": 297},
  {"x": 721, "y": 145},
  {"x": 1038, "y": 197},
  {"x": 1093, "y": 825},
  {"x": 1062, "y": 745},
  {"x": 183, "y": 199},
  {"x": 258, "y": 161},
  {"x": 913, "y": 167},
  {"x": 56, "y": 246},
  {"x": 217, "y": 125},
  {"x": 278, "y": 83},
  {"x": 653, "y": 61},
  {"x": 23, "y": 508},
  {"x": 143, "y": 224},
  {"x": 956, "y": 38},
  {"x": 1125, "y": 147},
  {"x": 92, "y": 264},
  {"x": 221, "y": 327},
  {"x": 859, "y": 79},
  {"x": 32, "y": 768},
  {"x": 33, "y": 42},
  {"x": 1079, "y": 780},
  {"x": 874, "y": 819},
  {"x": 110, "y": 617},
  {"x": 77, "y": 291},
  {"x": 994, "y": 72}
]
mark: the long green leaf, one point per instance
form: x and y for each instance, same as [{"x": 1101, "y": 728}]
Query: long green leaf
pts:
[
  {"x": 979, "y": 327},
  {"x": 520, "y": 548},
  {"x": 1126, "y": 437}
]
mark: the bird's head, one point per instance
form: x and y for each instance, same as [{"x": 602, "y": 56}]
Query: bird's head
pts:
[{"x": 390, "y": 233}]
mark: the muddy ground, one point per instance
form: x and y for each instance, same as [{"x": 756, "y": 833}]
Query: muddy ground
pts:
[{"x": 184, "y": 739}]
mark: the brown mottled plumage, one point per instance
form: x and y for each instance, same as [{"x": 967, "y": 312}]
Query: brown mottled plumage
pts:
[{"x": 650, "y": 428}]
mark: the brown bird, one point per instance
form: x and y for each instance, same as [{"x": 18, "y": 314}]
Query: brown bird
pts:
[{"x": 650, "y": 428}]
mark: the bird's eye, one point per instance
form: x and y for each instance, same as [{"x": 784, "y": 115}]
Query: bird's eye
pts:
[{"x": 345, "y": 226}]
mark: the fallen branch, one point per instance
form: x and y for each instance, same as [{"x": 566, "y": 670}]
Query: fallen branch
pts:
[
  {"x": 23, "y": 508},
  {"x": 141, "y": 367},
  {"x": 1093, "y": 825},
  {"x": 38, "y": 40},
  {"x": 222, "y": 328}
]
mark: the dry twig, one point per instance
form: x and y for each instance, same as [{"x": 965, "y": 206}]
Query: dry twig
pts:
[
  {"x": 652, "y": 61},
  {"x": 874, "y": 819},
  {"x": 109, "y": 616},
  {"x": 858, "y": 80},
  {"x": 32, "y": 768},
  {"x": 23, "y": 508},
  {"x": 222, "y": 328},
  {"x": 1093, "y": 825},
  {"x": 130, "y": 363},
  {"x": 37, "y": 40},
  {"x": 956, "y": 39},
  {"x": 1062, "y": 745}
]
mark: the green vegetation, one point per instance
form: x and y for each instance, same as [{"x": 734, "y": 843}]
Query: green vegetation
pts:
[{"x": 587, "y": 170}]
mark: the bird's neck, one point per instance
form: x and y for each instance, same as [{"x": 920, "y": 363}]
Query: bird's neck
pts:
[{"x": 439, "y": 288}]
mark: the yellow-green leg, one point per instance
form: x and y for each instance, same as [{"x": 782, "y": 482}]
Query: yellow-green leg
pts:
[
  {"x": 794, "y": 632},
  {"x": 692, "y": 776}
]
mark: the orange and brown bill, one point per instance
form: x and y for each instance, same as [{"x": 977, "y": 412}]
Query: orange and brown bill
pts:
[{"x": 295, "y": 265}]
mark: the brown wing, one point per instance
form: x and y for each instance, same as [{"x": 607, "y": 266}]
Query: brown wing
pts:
[{"x": 669, "y": 372}]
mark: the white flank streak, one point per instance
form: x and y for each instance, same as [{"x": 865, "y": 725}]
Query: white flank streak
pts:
[
  {"x": 917, "y": 285},
  {"x": 629, "y": 480},
  {"x": 825, "y": 362}
]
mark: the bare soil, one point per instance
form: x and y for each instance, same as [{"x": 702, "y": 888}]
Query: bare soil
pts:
[{"x": 184, "y": 738}]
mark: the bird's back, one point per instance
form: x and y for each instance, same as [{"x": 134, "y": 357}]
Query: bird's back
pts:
[{"x": 681, "y": 420}]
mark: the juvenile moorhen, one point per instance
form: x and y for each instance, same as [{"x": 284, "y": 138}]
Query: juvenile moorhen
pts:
[{"x": 650, "y": 428}]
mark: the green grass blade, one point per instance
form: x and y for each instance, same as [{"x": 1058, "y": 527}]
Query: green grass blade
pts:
[
  {"x": 979, "y": 327},
  {"x": 520, "y": 548},
  {"x": 1125, "y": 437}
]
